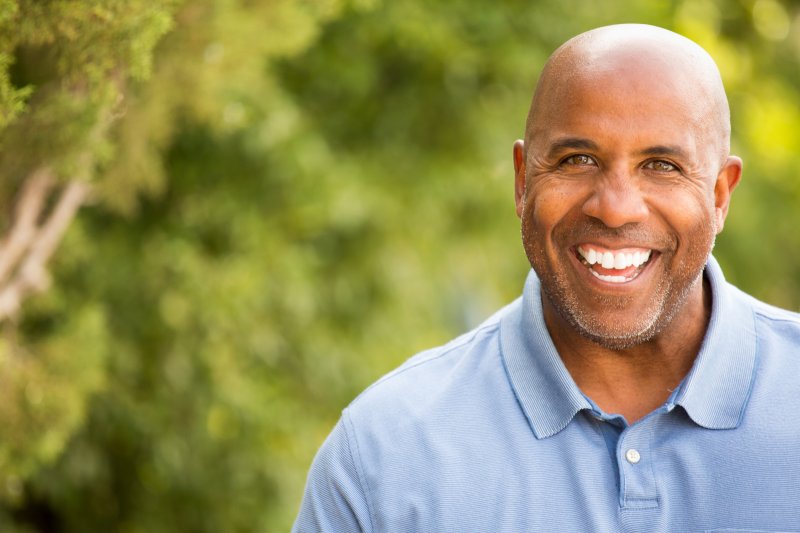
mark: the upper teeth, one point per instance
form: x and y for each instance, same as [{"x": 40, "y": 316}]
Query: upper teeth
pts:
[{"x": 615, "y": 260}]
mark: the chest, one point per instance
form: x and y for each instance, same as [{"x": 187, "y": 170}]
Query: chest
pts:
[{"x": 660, "y": 475}]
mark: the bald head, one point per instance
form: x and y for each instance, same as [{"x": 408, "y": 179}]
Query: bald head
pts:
[{"x": 646, "y": 60}]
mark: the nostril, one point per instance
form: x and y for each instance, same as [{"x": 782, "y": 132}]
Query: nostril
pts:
[{"x": 616, "y": 206}]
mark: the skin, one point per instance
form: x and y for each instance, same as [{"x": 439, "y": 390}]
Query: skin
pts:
[{"x": 626, "y": 148}]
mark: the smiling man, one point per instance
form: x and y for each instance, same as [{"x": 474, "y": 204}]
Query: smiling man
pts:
[
  {"x": 622, "y": 184},
  {"x": 630, "y": 388}
]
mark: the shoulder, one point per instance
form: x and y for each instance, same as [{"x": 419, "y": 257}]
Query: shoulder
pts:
[
  {"x": 433, "y": 376},
  {"x": 767, "y": 314},
  {"x": 427, "y": 369},
  {"x": 776, "y": 332}
]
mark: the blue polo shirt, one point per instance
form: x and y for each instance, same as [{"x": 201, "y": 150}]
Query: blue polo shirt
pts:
[{"x": 489, "y": 433}]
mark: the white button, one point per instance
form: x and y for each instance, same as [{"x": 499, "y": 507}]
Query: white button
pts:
[{"x": 632, "y": 456}]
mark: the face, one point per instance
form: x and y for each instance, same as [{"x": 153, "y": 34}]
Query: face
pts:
[{"x": 621, "y": 189}]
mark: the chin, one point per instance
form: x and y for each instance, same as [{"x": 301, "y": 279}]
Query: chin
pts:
[
  {"x": 631, "y": 328},
  {"x": 618, "y": 335}
]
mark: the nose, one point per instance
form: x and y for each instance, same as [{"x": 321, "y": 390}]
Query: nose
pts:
[{"x": 616, "y": 200}]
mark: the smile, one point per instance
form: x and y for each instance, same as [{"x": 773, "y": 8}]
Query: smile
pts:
[{"x": 614, "y": 266}]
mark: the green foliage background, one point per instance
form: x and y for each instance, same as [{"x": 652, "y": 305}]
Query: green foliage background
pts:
[{"x": 293, "y": 197}]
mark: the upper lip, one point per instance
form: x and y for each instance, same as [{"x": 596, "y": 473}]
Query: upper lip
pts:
[{"x": 613, "y": 248}]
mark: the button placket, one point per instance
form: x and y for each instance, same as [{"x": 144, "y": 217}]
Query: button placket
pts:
[{"x": 637, "y": 480}]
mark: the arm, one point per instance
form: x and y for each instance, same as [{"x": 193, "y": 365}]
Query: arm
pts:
[{"x": 334, "y": 499}]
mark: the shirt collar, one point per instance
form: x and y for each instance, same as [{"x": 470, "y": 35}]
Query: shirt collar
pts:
[
  {"x": 544, "y": 388},
  {"x": 717, "y": 388},
  {"x": 714, "y": 393}
]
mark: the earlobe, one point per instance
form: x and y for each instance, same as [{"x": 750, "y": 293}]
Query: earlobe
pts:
[
  {"x": 727, "y": 180},
  {"x": 519, "y": 175}
]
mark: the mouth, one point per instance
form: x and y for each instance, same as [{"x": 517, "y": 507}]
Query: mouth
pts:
[{"x": 614, "y": 266}]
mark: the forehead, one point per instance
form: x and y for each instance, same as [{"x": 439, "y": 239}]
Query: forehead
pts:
[{"x": 638, "y": 104}]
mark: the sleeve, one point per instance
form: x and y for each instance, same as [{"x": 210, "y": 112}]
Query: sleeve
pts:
[{"x": 334, "y": 500}]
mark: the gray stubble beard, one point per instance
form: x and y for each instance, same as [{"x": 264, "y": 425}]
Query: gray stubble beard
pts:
[{"x": 555, "y": 287}]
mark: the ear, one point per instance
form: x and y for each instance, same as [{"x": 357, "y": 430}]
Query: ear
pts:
[
  {"x": 519, "y": 175},
  {"x": 727, "y": 180}
]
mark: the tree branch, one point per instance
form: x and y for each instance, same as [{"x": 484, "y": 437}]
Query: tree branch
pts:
[
  {"x": 27, "y": 212},
  {"x": 30, "y": 246}
]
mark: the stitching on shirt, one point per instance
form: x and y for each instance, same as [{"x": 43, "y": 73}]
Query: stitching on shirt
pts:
[
  {"x": 355, "y": 456},
  {"x": 778, "y": 315},
  {"x": 754, "y": 372},
  {"x": 466, "y": 339},
  {"x": 767, "y": 311},
  {"x": 651, "y": 463},
  {"x": 515, "y": 392}
]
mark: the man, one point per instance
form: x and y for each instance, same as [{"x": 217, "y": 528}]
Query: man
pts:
[{"x": 630, "y": 388}]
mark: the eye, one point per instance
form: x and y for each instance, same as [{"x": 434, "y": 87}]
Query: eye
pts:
[
  {"x": 660, "y": 165},
  {"x": 580, "y": 160}
]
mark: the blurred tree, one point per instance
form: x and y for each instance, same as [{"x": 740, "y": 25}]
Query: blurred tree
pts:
[
  {"x": 64, "y": 68},
  {"x": 300, "y": 196},
  {"x": 93, "y": 117}
]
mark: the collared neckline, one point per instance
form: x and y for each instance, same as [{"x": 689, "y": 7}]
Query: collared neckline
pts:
[
  {"x": 717, "y": 388},
  {"x": 714, "y": 393},
  {"x": 544, "y": 387}
]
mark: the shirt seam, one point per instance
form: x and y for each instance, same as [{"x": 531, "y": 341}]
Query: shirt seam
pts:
[
  {"x": 355, "y": 456},
  {"x": 745, "y": 402},
  {"x": 446, "y": 350},
  {"x": 754, "y": 372},
  {"x": 774, "y": 317}
]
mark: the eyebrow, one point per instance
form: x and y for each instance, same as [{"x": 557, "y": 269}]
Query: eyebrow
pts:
[
  {"x": 580, "y": 143},
  {"x": 571, "y": 143},
  {"x": 676, "y": 151}
]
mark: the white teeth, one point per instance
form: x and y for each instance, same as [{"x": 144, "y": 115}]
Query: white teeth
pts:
[
  {"x": 618, "y": 261},
  {"x": 612, "y": 279}
]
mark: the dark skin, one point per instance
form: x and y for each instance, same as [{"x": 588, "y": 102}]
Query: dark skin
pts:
[{"x": 626, "y": 151}]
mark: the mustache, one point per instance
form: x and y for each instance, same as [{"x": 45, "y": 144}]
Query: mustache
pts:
[{"x": 633, "y": 234}]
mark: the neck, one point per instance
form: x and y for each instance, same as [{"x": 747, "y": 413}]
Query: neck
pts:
[{"x": 634, "y": 381}]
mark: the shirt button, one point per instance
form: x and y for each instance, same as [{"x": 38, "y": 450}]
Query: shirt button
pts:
[{"x": 633, "y": 456}]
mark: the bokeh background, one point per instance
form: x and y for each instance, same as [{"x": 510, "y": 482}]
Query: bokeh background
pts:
[{"x": 283, "y": 200}]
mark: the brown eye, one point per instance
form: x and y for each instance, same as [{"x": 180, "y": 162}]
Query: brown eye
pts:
[
  {"x": 661, "y": 166},
  {"x": 579, "y": 160}
]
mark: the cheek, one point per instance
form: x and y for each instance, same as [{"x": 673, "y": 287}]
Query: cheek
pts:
[
  {"x": 550, "y": 203},
  {"x": 691, "y": 215},
  {"x": 680, "y": 213}
]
